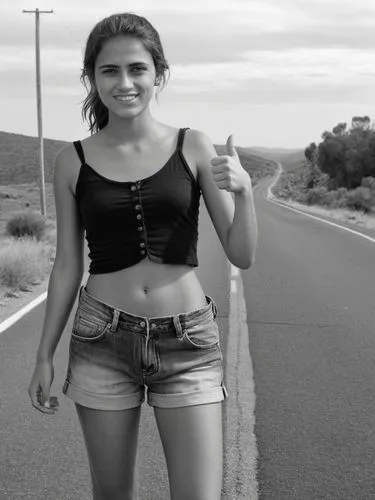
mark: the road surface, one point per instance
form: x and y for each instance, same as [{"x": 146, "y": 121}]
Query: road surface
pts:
[{"x": 311, "y": 316}]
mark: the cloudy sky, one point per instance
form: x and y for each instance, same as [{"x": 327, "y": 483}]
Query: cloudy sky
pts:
[{"x": 275, "y": 73}]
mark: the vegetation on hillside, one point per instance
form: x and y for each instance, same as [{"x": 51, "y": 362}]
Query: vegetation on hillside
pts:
[
  {"x": 257, "y": 167},
  {"x": 339, "y": 172},
  {"x": 19, "y": 158}
]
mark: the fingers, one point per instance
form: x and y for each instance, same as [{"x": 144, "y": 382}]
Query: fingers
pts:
[
  {"x": 220, "y": 160},
  {"x": 49, "y": 404}
]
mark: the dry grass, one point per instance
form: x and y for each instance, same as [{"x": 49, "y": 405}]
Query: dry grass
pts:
[
  {"x": 19, "y": 197},
  {"x": 24, "y": 263},
  {"x": 342, "y": 214}
]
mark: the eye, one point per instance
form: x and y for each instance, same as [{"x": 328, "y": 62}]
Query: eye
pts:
[
  {"x": 109, "y": 70},
  {"x": 139, "y": 69}
]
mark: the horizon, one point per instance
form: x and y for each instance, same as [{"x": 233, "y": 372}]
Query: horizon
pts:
[{"x": 255, "y": 148}]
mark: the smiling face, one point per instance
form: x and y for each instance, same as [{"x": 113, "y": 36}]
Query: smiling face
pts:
[{"x": 125, "y": 76}]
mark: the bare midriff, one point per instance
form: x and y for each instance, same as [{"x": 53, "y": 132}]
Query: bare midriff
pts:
[{"x": 149, "y": 289}]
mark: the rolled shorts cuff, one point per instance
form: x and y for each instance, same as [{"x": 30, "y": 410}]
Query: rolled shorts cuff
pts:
[
  {"x": 214, "y": 395},
  {"x": 102, "y": 401}
]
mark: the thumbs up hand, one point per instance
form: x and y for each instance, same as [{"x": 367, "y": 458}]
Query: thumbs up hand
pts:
[{"x": 228, "y": 172}]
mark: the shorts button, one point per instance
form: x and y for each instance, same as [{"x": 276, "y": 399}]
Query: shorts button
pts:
[
  {"x": 139, "y": 216},
  {"x": 133, "y": 188},
  {"x": 142, "y": 323},
  {"x": 137, "y": 207},
  {"x": 142, "y": 245},
  {"x": 143, "y": 252},
  {"x": 140, "y": 228}
]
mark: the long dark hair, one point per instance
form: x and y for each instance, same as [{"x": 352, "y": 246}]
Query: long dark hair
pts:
[{"x": 93, "y": 110}]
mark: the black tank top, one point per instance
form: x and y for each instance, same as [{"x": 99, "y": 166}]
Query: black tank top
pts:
[{"x": 155, "y": 217}]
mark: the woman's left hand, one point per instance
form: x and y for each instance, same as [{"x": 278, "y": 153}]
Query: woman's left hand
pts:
[{"x": 228, "y": 172}]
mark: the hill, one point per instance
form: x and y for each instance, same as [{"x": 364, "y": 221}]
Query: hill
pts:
[
  {"x": 19, "y": 159},
  {"x": 257, "y": 166},
  {"x": 290, "y": 158}
]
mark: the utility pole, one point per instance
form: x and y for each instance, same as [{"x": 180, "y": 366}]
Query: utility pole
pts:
[{"x": 37, "y": 12}]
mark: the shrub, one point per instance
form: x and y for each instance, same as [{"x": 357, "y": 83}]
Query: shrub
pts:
[
  {"x": 24, "y": 262},
  {"x": 360, "y": 199},
  {"x": 369, "y": 182},
  {"x": 26, "y": 223},
  {"x": 315, "y": 196}
]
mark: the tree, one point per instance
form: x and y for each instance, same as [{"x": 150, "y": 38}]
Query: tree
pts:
[
  {"x": 361, "y": 122},
  {"x": 340, "y": 129}
]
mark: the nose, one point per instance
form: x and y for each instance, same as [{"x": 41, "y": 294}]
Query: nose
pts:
[{"x": 125, "y": 82}]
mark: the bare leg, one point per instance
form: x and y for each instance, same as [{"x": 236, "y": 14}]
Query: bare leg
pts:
[
  {"x": 193, "y": 447},
  {"x": 111, "y": 439}
]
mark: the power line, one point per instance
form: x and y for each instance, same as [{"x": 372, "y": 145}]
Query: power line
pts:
[{"x": 37, "y": 13}]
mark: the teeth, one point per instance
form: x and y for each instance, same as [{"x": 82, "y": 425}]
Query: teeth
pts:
[{"x": 126, "y": 98}]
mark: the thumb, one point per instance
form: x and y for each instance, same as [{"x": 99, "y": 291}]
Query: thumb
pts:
[
  {"x": 230, "y": 146},
  {"x": 45, "y": 396}
]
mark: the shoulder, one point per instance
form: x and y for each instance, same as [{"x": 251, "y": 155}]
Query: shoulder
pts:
[
  {"x": 66, "y": 166},
  {"x": 200, "y": 143},
  {"x": 201, "y": 150}
]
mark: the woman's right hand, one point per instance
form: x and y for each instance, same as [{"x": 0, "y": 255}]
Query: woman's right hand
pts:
[{"x": 40, "y": 386}]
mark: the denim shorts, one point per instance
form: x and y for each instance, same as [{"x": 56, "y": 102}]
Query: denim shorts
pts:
[{"x": 114, "y": 356}]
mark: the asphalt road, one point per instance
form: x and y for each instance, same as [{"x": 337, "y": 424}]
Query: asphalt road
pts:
[{"x": 311, "y": 314}]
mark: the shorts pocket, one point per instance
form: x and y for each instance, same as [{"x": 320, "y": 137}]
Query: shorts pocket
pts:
[
  {"x": 204, "y": 336},
  {"x": 88, "y": 329}
]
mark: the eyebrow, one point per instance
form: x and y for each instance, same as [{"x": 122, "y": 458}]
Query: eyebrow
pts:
[{"x": 117, "y": 65}]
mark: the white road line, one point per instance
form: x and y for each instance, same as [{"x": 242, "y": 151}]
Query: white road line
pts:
[
  {"x": 272, "y": 199},
  {"x": 323, "y": 220},
  {"x": 233, "y": 286},
  {"x": 234, "y": 271},
  {"x": 18, "y": 315}
]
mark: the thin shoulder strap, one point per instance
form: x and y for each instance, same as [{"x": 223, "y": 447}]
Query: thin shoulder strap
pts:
[
  {"x": 79, "y": 149},
  {"x": 181, "y": 136}
]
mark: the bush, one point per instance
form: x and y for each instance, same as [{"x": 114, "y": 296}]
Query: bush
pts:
[
  {"x": 315, "y": 196},
  {"x": 360, "y": 199},
  {"x": 24, "y": 262},
  {"x": 26, "y": 223}
]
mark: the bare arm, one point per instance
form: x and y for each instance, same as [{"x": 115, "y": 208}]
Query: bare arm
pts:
[
  {"x": 68, "y": 266},
  {"x": 227, "y": 192}
]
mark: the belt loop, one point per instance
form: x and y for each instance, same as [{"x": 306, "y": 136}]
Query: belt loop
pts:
[
  {"x": 116, "y": 315},
  {"x": 177, "y": 325},
  {"x": 214, "y": 307}
]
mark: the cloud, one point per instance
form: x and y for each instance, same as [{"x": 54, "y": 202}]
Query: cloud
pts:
[
  {"x": 302, "y": 67},
  {"x": 213, "y": 47}
]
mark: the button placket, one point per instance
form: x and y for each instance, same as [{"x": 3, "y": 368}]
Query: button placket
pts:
[{"x": 139, "y": 217}]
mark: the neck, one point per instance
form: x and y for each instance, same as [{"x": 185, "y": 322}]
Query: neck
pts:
[{"x": 133, "y": 130}]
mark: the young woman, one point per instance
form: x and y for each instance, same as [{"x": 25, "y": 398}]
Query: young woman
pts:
[{"x": 143, "y": 319}]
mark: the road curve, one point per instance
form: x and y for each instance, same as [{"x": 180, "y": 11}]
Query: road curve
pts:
[{"x": 310, "y": 300}]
